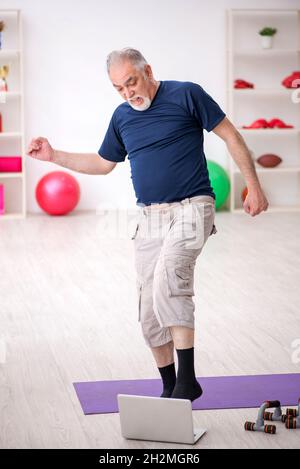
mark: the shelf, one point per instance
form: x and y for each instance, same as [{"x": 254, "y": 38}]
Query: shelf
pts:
[
  {"x": 263, "y": 91},
  {"x": 4, "y": 135},
  {"x": 12, "y": 216},
  {"x": 9, "y": 53},
  {"x": 254, "y": 12},
  {"x": 269, "y": 132},
  {"x": 11, "y": 175},
  {"x": 259, "y": 169},
  {"x": 265, "y": 68},
  {"x": 264, "y": 52},
  {"x": 8, "y": 95},
  {"x": 272, "y": 209},
  {"x": 12, "y": 110}
]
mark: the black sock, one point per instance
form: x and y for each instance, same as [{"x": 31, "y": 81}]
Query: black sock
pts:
[
  {"x": 187, "y": 386},
  {"x": 168, "y": 376}
]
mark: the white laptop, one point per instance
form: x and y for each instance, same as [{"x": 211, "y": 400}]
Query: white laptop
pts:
[{"x": 157, "y": 419}]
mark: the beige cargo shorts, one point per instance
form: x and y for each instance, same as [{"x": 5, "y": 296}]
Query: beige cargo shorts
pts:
[{"x": 167, "y": 241}]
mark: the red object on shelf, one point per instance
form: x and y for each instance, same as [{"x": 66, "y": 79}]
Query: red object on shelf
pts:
[
  {"x": 272, "y": 124},
  {"x": 238, "y": 84},
  {"x": 279, "y": 124},
  {"x": 258, "y": 124},
  {"x": 244, "y": 193},
  {"x": 1, "y": 199},
  {"x": 10, "y": 164},
  {"x": 292, "y": 81},
  {"x": 269, "y": 160}
]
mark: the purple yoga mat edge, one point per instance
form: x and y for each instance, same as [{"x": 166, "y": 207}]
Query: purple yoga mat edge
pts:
[{"x": 219, "y": 392}]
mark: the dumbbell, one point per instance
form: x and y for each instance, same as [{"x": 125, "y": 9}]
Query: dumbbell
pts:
[
  {"x": 293, "y": 418},
  {"x": 260, "y": 426},
  {"x": 292, "y": 423},
  {"x": 293, "y": 412}
]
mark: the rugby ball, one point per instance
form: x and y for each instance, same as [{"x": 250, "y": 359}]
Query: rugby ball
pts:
[{"x": 269, "y": 160}]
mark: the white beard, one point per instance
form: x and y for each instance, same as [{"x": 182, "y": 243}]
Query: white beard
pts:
[{"x": 142, "y": 107}]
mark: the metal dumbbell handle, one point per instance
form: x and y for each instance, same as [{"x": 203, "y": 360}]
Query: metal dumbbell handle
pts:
[{"x": 272, "y": 404}]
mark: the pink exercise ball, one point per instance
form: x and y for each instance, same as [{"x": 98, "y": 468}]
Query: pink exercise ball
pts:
[{"x": 57, "y": 193}]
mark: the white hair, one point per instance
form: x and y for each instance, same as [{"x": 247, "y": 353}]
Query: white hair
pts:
[{"x": 133, "y": 55}]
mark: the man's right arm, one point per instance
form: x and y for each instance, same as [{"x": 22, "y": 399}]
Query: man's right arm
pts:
[{"x": 88, "y": 163}]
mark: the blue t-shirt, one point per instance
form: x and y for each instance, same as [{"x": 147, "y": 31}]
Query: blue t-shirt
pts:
[{"x": 164, "y": 144}]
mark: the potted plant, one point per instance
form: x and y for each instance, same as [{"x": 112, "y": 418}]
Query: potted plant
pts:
[
  {"x": 1, "y": 29},
  {"x": 267, "y": 34}
]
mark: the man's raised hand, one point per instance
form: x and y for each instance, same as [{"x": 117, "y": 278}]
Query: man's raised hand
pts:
[{"x": 40, "y": 149}]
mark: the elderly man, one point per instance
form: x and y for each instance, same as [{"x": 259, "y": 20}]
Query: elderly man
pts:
[{"x": 160, "y": 127}]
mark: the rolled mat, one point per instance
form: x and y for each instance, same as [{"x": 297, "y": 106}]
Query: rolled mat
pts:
[{"x": 221, "y": 392}]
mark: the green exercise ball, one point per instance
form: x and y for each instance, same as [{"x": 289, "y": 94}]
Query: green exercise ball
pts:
[{"x": 219, "y": 182}]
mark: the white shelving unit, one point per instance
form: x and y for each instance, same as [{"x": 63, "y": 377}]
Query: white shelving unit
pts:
[
  {"x": 12, "y": 141},
  {"x": 265, "y": 68}
]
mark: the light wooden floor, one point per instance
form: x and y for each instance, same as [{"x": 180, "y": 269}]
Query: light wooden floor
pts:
[{"x": 68, "y": 313}]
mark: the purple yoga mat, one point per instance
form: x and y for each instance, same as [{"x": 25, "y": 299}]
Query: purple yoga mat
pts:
[{"x": 222, "y": 392}]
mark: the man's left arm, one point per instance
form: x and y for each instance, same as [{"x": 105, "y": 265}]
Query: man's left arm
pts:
[{"x": 256, "y": 201}]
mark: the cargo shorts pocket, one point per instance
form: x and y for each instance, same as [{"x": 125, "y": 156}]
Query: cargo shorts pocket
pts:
[{"x": 180, "y": 278}]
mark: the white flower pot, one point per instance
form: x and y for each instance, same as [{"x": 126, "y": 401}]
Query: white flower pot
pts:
[{"x": 266, "y": 42}]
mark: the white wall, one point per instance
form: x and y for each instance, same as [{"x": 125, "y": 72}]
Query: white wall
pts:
[{"x": 68, "y": 97}]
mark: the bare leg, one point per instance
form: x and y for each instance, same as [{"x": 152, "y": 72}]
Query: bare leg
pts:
[
  {"x": 164, "y": 354},
  {"x": 183, "y": 337}
]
